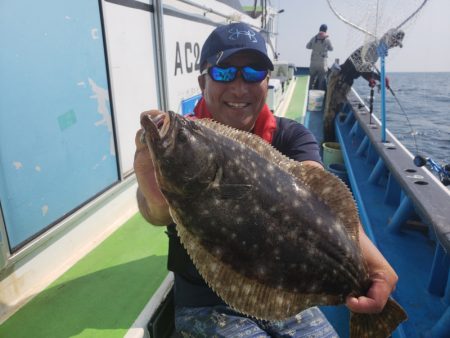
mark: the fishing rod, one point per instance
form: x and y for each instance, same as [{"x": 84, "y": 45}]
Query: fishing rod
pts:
[
  {"x": 403, "y": 111},
  {"x": 371, "y": 103},
  {"x": 442, "y": 171}
]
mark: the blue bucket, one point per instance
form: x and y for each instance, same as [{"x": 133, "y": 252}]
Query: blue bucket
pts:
[{"x": 339, "y": 170}]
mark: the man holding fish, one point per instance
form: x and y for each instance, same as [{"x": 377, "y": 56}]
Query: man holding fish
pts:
[{"x": 242, "y": 266}]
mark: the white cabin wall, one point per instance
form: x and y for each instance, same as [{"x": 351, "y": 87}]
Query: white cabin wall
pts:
[{"x": 129, "y": 42}]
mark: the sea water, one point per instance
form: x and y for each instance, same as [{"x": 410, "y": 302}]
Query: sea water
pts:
[{"x": 419, "y": 114}]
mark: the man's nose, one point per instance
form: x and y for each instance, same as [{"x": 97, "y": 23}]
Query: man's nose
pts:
[{"x": 239, "y": 83}]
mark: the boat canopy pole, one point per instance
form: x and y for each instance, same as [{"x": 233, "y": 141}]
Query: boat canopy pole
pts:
[
  {"x": 403, "y": 111},
  {"x": 161, "y": 73}
]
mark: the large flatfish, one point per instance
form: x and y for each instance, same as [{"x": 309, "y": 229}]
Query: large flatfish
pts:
[{"x": 271, "y": 236}]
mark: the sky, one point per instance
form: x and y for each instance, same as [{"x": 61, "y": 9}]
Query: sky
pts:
[{"x": 426, "y": 46}]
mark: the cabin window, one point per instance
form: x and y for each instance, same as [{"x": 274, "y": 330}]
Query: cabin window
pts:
[{"x": 57, "y": 144}]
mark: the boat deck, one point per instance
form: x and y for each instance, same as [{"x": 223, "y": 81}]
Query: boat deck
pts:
[
  {"x": 103, "y": 293},
  {"x": 294, "y": 104}
]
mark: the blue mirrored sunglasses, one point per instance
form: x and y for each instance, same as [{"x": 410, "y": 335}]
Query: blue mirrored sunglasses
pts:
[{"x": 228, "y": 74}]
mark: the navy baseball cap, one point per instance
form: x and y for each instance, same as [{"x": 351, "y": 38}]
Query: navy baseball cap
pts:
[{"x": 225, "y": 41}]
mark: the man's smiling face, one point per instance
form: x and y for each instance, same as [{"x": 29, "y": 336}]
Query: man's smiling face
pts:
[{"x": 236, "y": 103}]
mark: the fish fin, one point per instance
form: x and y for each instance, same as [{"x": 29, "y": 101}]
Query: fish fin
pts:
[
  {"x": 232, "y": 191},
  {"x": 377, "y": 325},
  {"x": 244, "y": 294},
  {"x": 252, "y": 141},
  {"x": 332, "y": 191},
  {"x": 229, "y": 190}
]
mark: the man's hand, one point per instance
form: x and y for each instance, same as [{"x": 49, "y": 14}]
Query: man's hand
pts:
[
  {"x": 376, "y": 297},
  {"x": 383, "y": 277},
  {"x": 152, "y": 204},
  {"x": 372, "y": 83},
  {"x": 144, "y": 168}
]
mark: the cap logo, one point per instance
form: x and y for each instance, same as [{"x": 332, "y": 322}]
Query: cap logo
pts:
[{"x": 235, "y": 34}]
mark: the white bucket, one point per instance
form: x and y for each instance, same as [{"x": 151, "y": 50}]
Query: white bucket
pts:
[
  {"x": 315, "y": 100},
  {"x": 332, "y": 153}
]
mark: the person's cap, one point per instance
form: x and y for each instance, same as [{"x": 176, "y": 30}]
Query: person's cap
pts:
[
  {"x": 225, "y": 41},
  {"x": 323, "y": 28},
  {"x": 394, "y": 37},
  {"x": 399, "y": 35}
]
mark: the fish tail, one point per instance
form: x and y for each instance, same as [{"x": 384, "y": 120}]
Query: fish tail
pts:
[{"x": 377, "y": 325}]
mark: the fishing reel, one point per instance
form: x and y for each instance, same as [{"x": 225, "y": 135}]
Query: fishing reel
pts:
[{"x": 442, "y": 171}]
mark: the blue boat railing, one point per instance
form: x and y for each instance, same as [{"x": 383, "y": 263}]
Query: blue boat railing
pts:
[{"x": 400, "y": 203}]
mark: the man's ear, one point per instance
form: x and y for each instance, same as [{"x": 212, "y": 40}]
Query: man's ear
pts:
[{"x": 201, "y": 82}]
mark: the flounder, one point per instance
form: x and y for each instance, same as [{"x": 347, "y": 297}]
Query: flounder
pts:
[{"x": 270, "y": 235}]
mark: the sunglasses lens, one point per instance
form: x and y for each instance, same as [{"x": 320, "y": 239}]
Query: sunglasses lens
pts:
[
  {"x": 228, "y": 74},
  {"x": 253, "y": 75},
  {"x": 223, "y": 74}
]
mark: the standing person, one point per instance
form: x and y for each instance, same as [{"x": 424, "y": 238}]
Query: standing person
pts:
[
  {"x": 320, "y": 45},
  {"x": 360, "y": 63},
  {"x": 234, "y": 83}
]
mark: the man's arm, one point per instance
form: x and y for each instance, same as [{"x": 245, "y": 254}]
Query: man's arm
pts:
[
  {"x": 370, "y": 76},
  {"x": 313, "y": 163},
  {"x": 151, "y": 202},
  {"x": 384, "y": 279},
  {"x": 330, "y": 45}
]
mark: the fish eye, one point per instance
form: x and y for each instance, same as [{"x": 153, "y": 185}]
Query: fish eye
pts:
[
  {"x": 193, "y": 125},
  {"x": 182, "y": 136}
]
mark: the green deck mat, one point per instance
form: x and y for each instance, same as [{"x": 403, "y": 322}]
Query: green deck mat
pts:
[
  {"x": 103, "y": 293},
  {"x": 297, "y": 104}
]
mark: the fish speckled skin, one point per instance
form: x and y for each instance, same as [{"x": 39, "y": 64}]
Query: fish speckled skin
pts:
[{"x": 269, "y": 235}]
